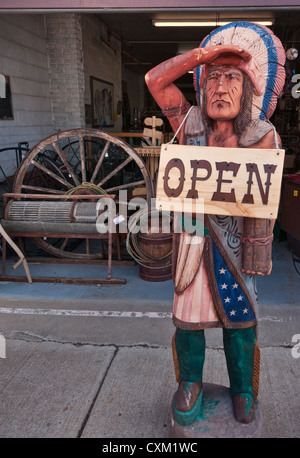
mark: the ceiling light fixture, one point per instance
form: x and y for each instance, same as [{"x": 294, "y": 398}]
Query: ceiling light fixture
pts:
[{"x": 178, "y": 23}]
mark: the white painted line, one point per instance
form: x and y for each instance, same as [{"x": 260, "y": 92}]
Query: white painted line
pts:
[
  {"x": 275, "y": 319},
  {"x": 97, "y": 313}
]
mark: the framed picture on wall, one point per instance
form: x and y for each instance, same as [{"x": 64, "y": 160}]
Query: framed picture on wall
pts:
[{"x": 102, "y": 97}]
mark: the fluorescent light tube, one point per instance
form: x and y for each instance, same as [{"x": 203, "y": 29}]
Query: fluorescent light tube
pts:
[{"x": 173, "y": 23}]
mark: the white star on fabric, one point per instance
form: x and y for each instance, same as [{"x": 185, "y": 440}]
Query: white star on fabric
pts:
[
  {"x": 245, "y": 310},
  {"x": 235, "y": 285},
  {"x": 222, "y": 271},
  {"x": 232, "y": 312},
  {"x": 227, "y": 299},
  {"x": 240, "y": 298},
  {"x": 224, "y": 286}
]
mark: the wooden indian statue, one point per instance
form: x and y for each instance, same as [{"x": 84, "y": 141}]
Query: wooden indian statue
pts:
[{"x": 238, "y": 75}]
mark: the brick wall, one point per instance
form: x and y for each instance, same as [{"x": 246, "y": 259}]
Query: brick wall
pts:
[{"x": 64, "y": 42}]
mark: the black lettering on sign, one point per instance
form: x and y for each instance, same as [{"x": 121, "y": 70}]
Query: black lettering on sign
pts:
[
  {"x": 174, "y": 192},
  {"x": 225, "y": 167},
  {"x": 252, "y": 168},
  {"x": 202, "y": 164}
]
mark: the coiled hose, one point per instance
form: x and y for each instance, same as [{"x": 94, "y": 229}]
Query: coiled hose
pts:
[
  {"x": 87, "y": 186},
  {"x": 132, "y": 241}
]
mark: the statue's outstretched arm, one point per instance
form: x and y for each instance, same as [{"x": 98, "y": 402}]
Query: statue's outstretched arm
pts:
[{"x": 160, "y": 79}]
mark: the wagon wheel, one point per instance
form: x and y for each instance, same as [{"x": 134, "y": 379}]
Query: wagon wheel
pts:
[{"x": 81, "y": 161}]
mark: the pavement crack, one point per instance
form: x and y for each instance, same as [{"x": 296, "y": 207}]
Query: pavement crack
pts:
[
  {"x": 25, "y": 335},
  {"x": 86, "y": 418},
  {"x": 31, "y": 337}
]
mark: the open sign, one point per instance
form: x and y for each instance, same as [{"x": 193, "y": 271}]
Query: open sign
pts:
[{"x": 231, "y": 181}]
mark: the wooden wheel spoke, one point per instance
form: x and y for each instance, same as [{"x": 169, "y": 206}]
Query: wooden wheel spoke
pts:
[
  {"x": 115, "y": 171},
  {"x": 82, "y": 159},
  {"x": 70, "y": 150},
  {"x": 125, "y": 186},
  {"x": 64, "y": 244},
  {"x": 99, "y": 163},
  {"x": 43, "y": 190},
  {"x": 51, "y": 174},
  {"x": 62, "y": 157}
]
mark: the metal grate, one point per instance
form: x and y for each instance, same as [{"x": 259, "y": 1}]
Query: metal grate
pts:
[
  {"x": 86, "y": 212},
  {"x": 40, "y": 211}
]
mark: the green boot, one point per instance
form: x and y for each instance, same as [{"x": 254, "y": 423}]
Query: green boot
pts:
[
  {"x": 190, "y": 351},
  {"x": 240, "y": 351}
]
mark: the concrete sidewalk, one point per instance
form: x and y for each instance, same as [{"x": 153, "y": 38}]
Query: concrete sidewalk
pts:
[{"x": 96, "y": 361}]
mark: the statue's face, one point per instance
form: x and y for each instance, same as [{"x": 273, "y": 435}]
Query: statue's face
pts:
[{"x": 224, "y": 89}]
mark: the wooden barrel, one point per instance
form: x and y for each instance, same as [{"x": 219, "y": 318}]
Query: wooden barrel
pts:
[{"x": 159, "y": 247}]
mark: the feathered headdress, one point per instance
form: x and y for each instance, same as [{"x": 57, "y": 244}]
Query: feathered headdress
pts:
[{"x": 265, "y": 68}]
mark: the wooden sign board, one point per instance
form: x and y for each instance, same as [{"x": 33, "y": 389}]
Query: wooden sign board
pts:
[{"x": 230, "y": 181}]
